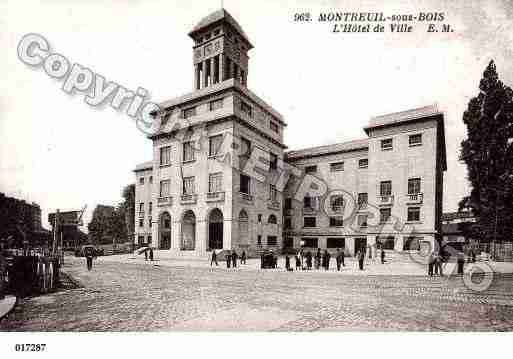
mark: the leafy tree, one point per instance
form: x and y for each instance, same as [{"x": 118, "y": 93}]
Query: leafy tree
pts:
[
  {"x": 488, "y": 154},
  {"x": 107, "y": 225},
  {"x": 127, "y": 207}
]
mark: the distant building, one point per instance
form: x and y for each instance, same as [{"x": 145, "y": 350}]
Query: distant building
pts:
[
  {"x": 452, "y": 228},
  {"x": 197, "y": 193}
]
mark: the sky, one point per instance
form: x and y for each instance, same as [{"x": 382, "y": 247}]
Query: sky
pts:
[{"x": 61, "y": 153}]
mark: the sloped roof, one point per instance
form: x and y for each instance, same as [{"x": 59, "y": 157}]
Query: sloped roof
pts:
[
  {"x": 403, "y": 116},
  {"x": 328, "y": 149},
  {"x": 216, "y": 16},
  {"x": 144, "y": 166}
]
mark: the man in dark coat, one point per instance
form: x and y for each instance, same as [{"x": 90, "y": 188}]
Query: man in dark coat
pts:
[
  {"x": 228, "y": 259},
  {"x": 323, "y": 260},
  {"x": 151, "y": 254},
  {"x": 328, "y": 258},
  {"x": 298, "y": 261},
  {"x": 382, "y": 256},
  {"x": 318, "y": 258},
  {"x": 89, "y": 254},
  {"x": 309, "y": 260},
  {"x": 234, "y": 259},
  {"x": 360, "y": 256},
  {"x": 431, "y": 264},
  {"x": 243, "y": 258},
  {"x": 338, "y": 259},
  {"x": 287, "y": 262},
  {"x": 214, "y": 258}
]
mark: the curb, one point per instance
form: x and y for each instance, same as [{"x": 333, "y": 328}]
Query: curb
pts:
[{"x": 10, "y": 309}]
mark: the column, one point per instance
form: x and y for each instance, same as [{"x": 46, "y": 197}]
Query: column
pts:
[
  {"x": 204, "y": 66},
  {"x": 212, "y": 71},
  {"x": 222, "y": 76},
  {"x": 197, "y": 80}
]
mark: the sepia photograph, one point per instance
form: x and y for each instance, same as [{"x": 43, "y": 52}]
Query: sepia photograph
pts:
[{"x": 336, "y": 167}]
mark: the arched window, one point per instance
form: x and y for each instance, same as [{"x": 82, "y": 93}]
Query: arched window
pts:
[
  {"x": 272, "y": 219},
  {"x": 243, "y": 227}
]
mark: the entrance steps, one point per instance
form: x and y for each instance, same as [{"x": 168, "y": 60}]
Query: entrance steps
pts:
[{"x": 178, "y": 254}]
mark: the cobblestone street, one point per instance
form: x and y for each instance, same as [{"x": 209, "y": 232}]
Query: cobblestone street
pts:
[{"x": 145, "y": 297}]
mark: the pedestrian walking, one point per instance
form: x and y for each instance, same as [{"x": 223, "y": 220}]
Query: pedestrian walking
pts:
[
  {"x": 151, "y": 254},
  {"x": 318, "y": 258},
  {"x": 361, "y": 257},
  {"x": 146, "y": 254},
  {"x": 338, "y": 259},
  {"x": 438, "y": 265},
  {"x": 382, "y": 256},
  {"x": 431, "y": 263},
  {"x": 214, "y": 258},
  {"x": 328, "y": 258},
  {"x": 287, "y": 262},
  {"x": 234, "y": 259},
  {"x": 461, "y": 263},
  {"x": 323, "y": 260},
  {"x": 89, "y": 254},
  {"x": 243, "y": 257},
  {"x": 228, "y": 259},
  {"x": 309, "y": 260},
  {"x": 298, "y": 261}
]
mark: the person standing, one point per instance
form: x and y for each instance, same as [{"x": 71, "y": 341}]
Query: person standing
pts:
[
  {"x": 431, "y": 263},
  {"x": 318, "y": 258},
  {"x": 234, "y": 259},
  {"x": 89, "y": 254},
  {"x": 309, "y": 260},
  {"x": 361, "y": 257},
  {"x": 287, "y": 262},
  {"x": 461, "y": 263},
  {"x": 214, "y": 258},
  {"x": 438, "y": 265},
  {"x": 338, "y": 259},
  {"x": 328, "y": 258},
  {"x": 243, "y": 257},
  {"x": 151, "y": 254},
  {"x": 228, "y": 259},
  {"x": 298, "y": 261},
  {"x": 146, "y": 255},
  {"x": 323, "y": 260},
  {"x": 382, "y": 256}
]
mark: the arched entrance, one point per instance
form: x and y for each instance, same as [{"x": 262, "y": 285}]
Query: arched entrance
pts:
[
  {"x": 215, "y": 229},
  {"x": 165, "y": 231},
  {"x": 188, "y": 231},
  {"x": 243, "y": 228}
]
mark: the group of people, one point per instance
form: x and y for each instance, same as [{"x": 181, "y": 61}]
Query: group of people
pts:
[
  {"x": 231, "y": 258},
  {"x": 304, "y": 260}
]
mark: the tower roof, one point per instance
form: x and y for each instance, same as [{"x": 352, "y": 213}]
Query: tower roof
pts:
[{"x": 218, "y": 16}]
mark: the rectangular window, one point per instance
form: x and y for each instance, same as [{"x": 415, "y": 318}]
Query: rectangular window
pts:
[
  {"x": 363, "y": 199},
  {"x": 362, "y": 220},
  {"x": 165, "y": 155},
  {"x": 287, "y": 223},
  {"x": 150, "y": 207},
  {"x": 309, "y": 242},
  {"x": 149, "y": 238},
  {"x": 273, "y": 165},
  {"x": 384, "y": 215},
  {"x": 309, "y": 222},
  {"x": 245, "y": 108},
  {"x": 273, "y": 193},
  {"x": 336, "y": 243},
  {"x": 386, "y": 242},
  {"x": 245, "y": 184},
  {"x": 288, "y": 242},
  {"x": 413, "y": 214},
  {"x": 259, "y": 240},
  {"x": 363, "y": 163},
  {"x": 141, "y": 207},
  {"x": 337, "y": 202},
  {"x": 337, "y": 166},
  {"x": 413, "y": 185},
  {"x": 245, "y": 147},
  {"x": 165, "y": 187},
  {"x": 385, "y": 188},
  {"x": 149, "y": 222},
  {"x": 386, "y": 144},
  {"x": 415, "y": 140},
  {"x": 274, "y": 126},
  {"x": 214, "y": 145},
  {"x": 272, "y": 240},
  {"x": 189, "y": 112},
  {"x": 337, "y": 221},
  {"x": 215, "y": 182},
  {"x": 288, "y": 203},
  {"x": 309, "y": 202},
  {"x": 310, "y": 169},
  {"x": 216, "y": 104},
  {"x": 141, "y": 223},
  {"x": 141, "y": 180},
  {"x": 140, "y": 240},
  {"x": 188, "y": 185},
  {"x": 188, "y": 151}
]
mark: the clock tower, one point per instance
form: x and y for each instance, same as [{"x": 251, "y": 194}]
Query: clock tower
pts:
[{"x": 220, "y": 50}]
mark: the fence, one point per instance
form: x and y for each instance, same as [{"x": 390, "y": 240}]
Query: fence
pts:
[{"x": 500, "y": 251}]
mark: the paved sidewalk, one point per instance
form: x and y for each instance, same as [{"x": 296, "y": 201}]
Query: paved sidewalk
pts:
[
  {"x": 371, "y": 267},
  {"x": 6, "y": 305}
]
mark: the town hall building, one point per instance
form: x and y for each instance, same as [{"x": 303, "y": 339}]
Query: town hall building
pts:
[{"x": 221, "y": 176}]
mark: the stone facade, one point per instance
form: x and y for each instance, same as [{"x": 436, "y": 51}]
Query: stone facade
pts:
[{"x": 219, "y": 174}]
